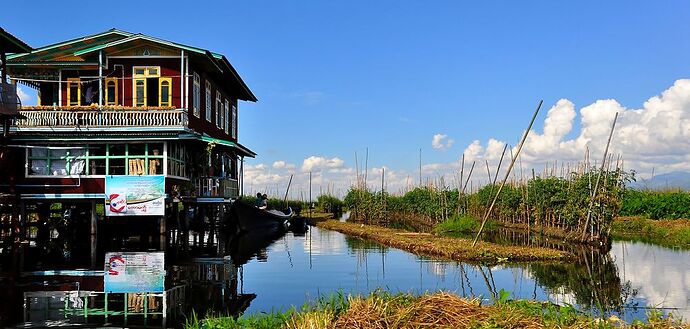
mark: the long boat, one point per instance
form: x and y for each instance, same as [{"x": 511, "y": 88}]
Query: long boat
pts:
[{"x": 251, "y": 218}]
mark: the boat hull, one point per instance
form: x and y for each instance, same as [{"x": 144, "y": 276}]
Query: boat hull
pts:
[{"x": 250, "y": 218}]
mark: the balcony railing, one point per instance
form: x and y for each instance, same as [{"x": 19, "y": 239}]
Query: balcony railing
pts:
[
  {"x": 216, "y": 187},
  {"x": 89, "y": 117}
]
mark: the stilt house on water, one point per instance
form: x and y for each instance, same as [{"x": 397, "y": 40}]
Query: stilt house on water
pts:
[{"x": 128, "y": 128}]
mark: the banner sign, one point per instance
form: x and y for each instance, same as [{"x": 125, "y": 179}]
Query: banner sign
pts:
[
  {"x": 134, "y": 272},
  {"x": 135, "y": 195}
]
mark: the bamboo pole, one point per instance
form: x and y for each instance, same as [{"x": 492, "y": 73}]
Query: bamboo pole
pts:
[
  {"x": 500, "y": 162},
  {"x": 512, "y": 163},
  {"x": 286, "y": 192},
  {"x": 596, "y": 184}
]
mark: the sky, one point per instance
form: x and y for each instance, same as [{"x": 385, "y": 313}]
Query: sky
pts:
[{"x": 337, "y": 80}]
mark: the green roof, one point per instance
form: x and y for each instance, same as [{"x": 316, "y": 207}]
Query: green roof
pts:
[
  {"x": 75, "y": 51},
  {"x": 242, "y": 150}
]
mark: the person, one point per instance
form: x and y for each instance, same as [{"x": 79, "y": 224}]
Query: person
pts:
[
  {"x": 259, "y": 200},
  {"x": 264, "y": 201}
]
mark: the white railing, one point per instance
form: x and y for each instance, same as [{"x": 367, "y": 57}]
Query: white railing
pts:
[
  {"x": 216, "y": 187},
  {"x": 102, "y": 119}
]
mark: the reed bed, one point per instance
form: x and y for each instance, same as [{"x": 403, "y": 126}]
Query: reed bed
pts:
[
  {"x": 380, "y": 310},
  {"x": 672, "y": 233},
  {"x": 581, "y": 204},
  {"x": 445, "y": 247}
]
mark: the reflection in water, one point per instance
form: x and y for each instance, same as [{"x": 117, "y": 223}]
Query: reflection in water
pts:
[
  {"x": 264, "y": 271},
  {"x": 302, "y": 268},
  {"x": 660, "y": 276}
]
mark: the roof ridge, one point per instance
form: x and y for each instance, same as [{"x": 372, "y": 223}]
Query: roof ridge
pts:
[{"x": 62, "y": 43}]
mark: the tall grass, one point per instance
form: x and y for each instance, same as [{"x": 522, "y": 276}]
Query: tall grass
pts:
[
  {"x": 556, "y": 202},
  {"x": 656, "y": 204}
]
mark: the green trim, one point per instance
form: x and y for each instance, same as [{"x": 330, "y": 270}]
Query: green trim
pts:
[
  {"x": 234, "y": 145},
  {"x": 60, "y": 44},
  {"x": 42, "y": 63},
  {"x": 137, "y": 37}
]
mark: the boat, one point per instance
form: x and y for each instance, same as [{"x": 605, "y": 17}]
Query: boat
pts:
[{"x": 250, "y": 218}]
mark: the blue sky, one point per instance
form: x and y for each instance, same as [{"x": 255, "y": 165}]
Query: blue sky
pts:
[{"x": 336, "y": 77}]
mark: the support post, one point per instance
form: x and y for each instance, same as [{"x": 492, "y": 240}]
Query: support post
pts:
[
  {"x": 182, "y": 77},
  {"x": 162, "y": 230},
  {"x": 94, "y": 233},
  {"x": 100, "y": 80}
]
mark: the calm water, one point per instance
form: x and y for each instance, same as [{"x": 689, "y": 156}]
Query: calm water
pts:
[
  {"x": 261, "y": 272},
  {"x": 631, "y": 277}
]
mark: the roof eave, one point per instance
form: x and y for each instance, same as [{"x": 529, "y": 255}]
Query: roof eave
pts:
[{"x": 19, "y": 45}]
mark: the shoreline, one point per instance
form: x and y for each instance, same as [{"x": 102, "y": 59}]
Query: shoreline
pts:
[{"x": 457, "y": 249}]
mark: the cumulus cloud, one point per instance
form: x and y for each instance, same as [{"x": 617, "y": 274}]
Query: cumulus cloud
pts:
[
  {"x": 317, "y": 163},
  {"x": 438, "y": 142},
  {"x": 24, "y": 97},
  {"x": 654, "y": 136}
]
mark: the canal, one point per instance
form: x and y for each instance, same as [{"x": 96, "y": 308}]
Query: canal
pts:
[
  {"x": 264, "y": 272},
  {"x": 626, "y": 281}
]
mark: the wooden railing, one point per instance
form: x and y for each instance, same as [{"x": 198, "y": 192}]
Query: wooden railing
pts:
[
  {"x": 102, "y": 119},
  {"x": 216, "y": 187}
]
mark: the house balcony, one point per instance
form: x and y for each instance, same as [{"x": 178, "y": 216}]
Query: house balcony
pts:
[
  {"x": 90, "y": 118},
  {"x": 216, "y": 187}
]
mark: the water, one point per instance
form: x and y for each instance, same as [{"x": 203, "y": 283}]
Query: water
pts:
[
  {"x": 263, "y": 272},
  {"x": 625, "y": 281}
]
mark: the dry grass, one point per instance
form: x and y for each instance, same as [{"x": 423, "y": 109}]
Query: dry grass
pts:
[
  {"x": 381, "y": 310},
  {"x": 445, "y": 247},
  {"x": 447, "y": 310}
]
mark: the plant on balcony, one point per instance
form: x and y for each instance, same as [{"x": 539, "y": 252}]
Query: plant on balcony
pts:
[{"x": 94, "y": 107}]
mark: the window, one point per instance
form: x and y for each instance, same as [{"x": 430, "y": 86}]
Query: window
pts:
[
  {"x": 208, "y": 101},
  {"x": 197, "y": 95},
  {"x": 63, "y": 161},
  {"x": 139, "y": 92},
  {"x": 227, "y": 116},
  {"x": 176, "y": 160},
  {"x": 165, "y": 92},
  {"x": 97, "y": 159},
  {"x": 219, "y": 111},
  {"x": 111, "y": 91},
  {"x": 234, "y": 121},
  {"x": 148, "y": 85},
  {"x": 73, "y": 92}
]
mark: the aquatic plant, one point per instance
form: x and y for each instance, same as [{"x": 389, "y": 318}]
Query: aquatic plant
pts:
[
  {"x": 382, "y": 309},
  {"x": 444, "y": 247}
]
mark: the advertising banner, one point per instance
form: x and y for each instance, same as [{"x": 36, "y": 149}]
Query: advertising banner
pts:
[
  {"x": 135, "y": 195},
  {"x": 134, "y": 272}
]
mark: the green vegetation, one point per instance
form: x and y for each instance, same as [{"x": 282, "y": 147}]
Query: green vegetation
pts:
[
  {"x": 445, "y": 247},
  {"x": 560, "y": 203},
  {"x": 663, "y": 232},
  {"x": 462, "y": 224},
  {"x": 656, "y": 204},
  {"x": 329, "y": 204},
  {"x": 381, "y": 309}
]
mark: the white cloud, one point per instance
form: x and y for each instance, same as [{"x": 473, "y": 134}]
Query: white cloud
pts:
[
  {"x": 654, "y": 136},
  {"x": 317, "y": 163},
  {"x": 24, "y": 97},
  {"x": 438, "y": 142}
]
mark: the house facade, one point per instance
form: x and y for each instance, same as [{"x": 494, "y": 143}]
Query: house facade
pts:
[{"x": 119, "y": 108}]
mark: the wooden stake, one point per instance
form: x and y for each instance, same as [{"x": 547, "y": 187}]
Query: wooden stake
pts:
[
  {"x": 512, "y": 163},
  {"x": 596, "y": 184}
]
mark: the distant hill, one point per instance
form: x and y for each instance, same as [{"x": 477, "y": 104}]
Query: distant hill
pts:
[{"x": 672, "y": 180}]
